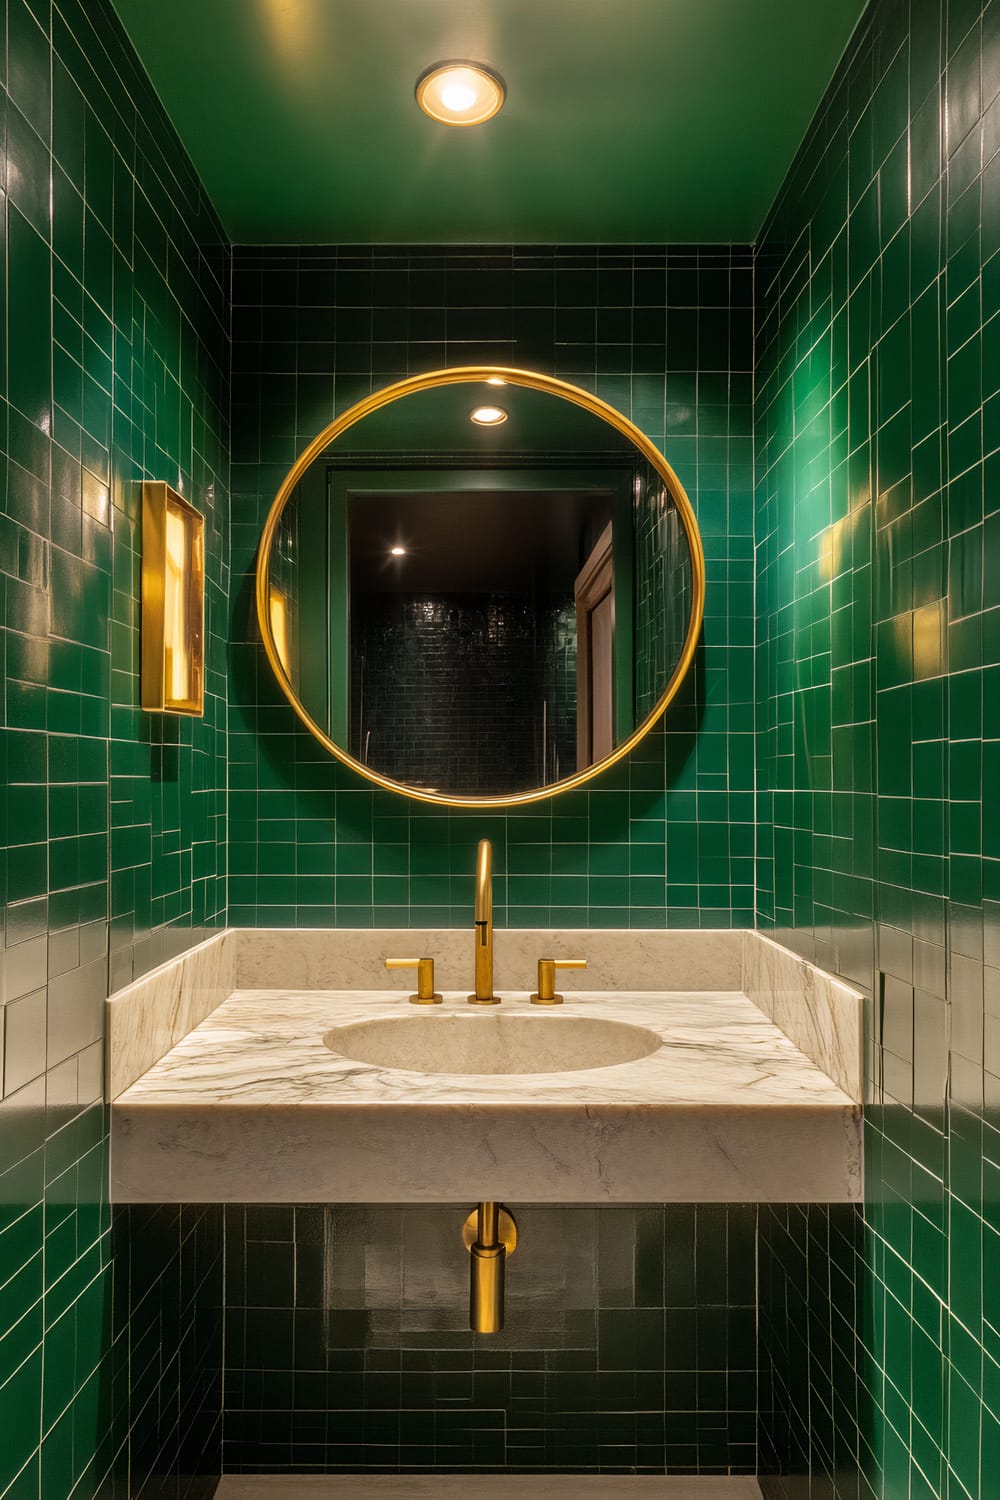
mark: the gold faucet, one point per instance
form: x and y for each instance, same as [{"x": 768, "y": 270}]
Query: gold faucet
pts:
[{"x": 484, "y": 927}]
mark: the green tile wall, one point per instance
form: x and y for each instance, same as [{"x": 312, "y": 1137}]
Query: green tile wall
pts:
[
  {"x": 114, "y": 323},
  {"x": 629, "y": 1346},
  {"x": 818, "y": 1407},
  {"x": 667, "y": 838},
  {"x": 877, "y": 427},
  {"x": 162, "y": 1405}
]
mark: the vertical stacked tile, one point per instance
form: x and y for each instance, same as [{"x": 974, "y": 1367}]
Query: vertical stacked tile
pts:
[
  {"x": 113, "y": 825},
  {"x": 663, "y": 334},
  {"x": 877, "y": 426}
]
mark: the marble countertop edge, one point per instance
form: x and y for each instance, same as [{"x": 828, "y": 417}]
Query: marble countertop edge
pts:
[{"x": 545, "y": 1108}]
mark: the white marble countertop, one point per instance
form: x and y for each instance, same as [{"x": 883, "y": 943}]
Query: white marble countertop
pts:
[{"x": 252, "y": 1106}]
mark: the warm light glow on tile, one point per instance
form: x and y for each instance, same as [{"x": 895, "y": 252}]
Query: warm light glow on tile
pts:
[{"x": 834, "y": 543}]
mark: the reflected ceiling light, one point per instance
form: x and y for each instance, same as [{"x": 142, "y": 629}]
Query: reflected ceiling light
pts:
[
  {"x": 460, "y": 93},
  {"x": 488, "y": 416},
  {"x": 495, "y": 380},
  {"x": 397, "y": 551}
]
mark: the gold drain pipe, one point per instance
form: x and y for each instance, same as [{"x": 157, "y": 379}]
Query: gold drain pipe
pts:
[{"x": 489, "y": 1235}]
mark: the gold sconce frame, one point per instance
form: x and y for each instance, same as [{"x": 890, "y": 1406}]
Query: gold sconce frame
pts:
[
  {"x": 477, "y": 375},
  {"x": 173, "y": 602}
]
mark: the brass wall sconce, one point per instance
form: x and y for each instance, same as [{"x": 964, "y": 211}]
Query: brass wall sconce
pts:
[
  {"x": 490, "y": 1236},
  {"x": 173, "y": 602}
]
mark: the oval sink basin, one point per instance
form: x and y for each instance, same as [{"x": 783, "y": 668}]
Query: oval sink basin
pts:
[{"x": 492, "y": 1043}]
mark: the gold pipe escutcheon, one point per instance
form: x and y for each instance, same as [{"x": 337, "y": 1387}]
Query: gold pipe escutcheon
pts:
[{"x": 489, "y": 1235}]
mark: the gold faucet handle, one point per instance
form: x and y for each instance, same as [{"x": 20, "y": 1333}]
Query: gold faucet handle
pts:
[
  {"x": 546, "y": 992},
  {"x": 426, "y": 993}
]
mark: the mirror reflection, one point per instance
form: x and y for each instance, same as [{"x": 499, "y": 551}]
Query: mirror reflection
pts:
[{"x": 480, "y": 590}]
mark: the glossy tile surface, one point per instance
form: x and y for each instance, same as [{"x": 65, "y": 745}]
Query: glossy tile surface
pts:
[
  {"x": 664, "y": 335},
  {"x": 878, "y": 541},
  {"x": 114, "y": 312},
  {"x": 629, "y": 1343}
]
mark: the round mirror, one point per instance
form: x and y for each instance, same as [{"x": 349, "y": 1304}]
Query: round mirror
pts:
[{"x": 480, "y": 586}]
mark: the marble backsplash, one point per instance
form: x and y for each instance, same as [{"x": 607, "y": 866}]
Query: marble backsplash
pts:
[
  {"x": 147, "y": 1018},
  {"x": 821, "y": 1015},
  {"x": 332, "y": 958}
]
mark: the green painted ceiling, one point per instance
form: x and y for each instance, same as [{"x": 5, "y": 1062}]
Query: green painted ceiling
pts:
[{"x": 625, "y": 121}]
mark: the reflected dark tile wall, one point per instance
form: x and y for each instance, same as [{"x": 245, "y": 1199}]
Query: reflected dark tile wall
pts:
[
  {"x": 629, "y": 1345},
  {"x": 467, "y": 692},
  {"x": 664, "y": 588},
  {"x": 112, "y": 829},
  {"x": 878, "y": 542}
]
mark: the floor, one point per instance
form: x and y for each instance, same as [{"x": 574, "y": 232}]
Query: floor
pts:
[{"x": 483, "y": 1487}]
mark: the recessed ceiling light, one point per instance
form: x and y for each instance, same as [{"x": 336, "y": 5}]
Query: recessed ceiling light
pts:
[
  {"x": 397, "y": 551},
  {"x": 460, "y": 93},
  {"x": 488, "y": 416}
]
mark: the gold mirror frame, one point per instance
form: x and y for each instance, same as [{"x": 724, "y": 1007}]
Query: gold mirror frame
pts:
[{"x": 476, "y": 375}]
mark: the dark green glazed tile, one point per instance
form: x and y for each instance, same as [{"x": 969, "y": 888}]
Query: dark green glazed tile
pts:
[
  {"x": 93, "y": 340},
  {"x": 391, "y": 1380},
  {"x": 476, "y": 297},
  {"x": 917, "y": 304}
]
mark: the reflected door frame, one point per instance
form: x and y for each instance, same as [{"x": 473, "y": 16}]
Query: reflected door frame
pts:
[{"x": 594, "y": 591}]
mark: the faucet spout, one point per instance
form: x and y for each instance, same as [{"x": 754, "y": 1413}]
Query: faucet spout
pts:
[
  {"x": 484, "y": 927},
  {"x": 484, "y": 883}
]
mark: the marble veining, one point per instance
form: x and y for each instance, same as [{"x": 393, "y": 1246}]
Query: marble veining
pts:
[
  {"x": 147, "y": 1018},
  {"x": 820, "y": 1014},
  {"x": 252, "y": 1106},
  {"x": 266, "y": 1046}
]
